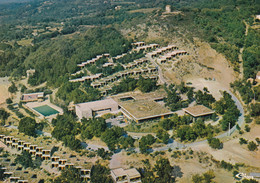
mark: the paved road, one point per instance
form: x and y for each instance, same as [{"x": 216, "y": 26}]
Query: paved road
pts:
[
  {"x": 161, "y": 78},
  {"x": 240, "y": 122},
  {"x": 174, "y": 144}
]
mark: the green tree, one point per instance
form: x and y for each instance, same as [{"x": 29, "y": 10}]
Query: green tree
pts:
[
  {"x": 173, "y": 100},
  {"x": 146, "y": 85},
  {"x": 65, "y": 129},
  {"x": 190, "y": 94},
  {"x": 249, "y": 181},
  {"x": 65, "y": 125},
  {"x": 23, "y": 88},
  {"x": 185, "y": 132},
  {"x": 71, "y": 142},
  {"x": 208, "y": 176},
  {"x": 2, "y": 175},
  {"x": 37, "y": 162},
  {"x": 242, "y": 141},
  {"x": 12, "y": 88},
  {"x": 248, "y": 119},
  {"x": 163, "y": 169},
  {"x": 112, "y": 136},
  {"x": 197, "y": 178},
  {"x": 247, "y": 128},
  {"x": 27, "y": 126},
  {"x": 100, "y": 173},
  {"x": 255, "y": 109},
  {"x": 145, "y": 142},
  {"x": 126, "y": 142},
  {"x": 93, "y": 127},
  {"x": 4, "y": 115},
  {"x": 252, "y": 146},
  {"x": 104, "y": 154},
  {"x": 204, "y": 98},
  {"x": 215, "y": 143},
  {"x": 25, "y": 159},
  {"x": 166, "y": 123},
  {"x": 69, "y": 175},
  {"x": 9, "y": 101},
  {"x": 205, "y": 177},
  {"x": 163, "y": 135},
  {"x": 226, "y": 165}
]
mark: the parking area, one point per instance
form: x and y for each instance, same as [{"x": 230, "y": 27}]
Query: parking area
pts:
[{"x": 117, "y": 121}]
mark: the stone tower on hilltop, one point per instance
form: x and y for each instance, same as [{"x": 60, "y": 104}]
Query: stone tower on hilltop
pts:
[{"x": 168, "y": 9}]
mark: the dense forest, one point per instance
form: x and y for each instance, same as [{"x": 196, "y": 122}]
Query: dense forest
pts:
[
  {"x": 222, "y": 23},
  {"x": 60, "y": 34},
  {"x": 55, "y": 59}
]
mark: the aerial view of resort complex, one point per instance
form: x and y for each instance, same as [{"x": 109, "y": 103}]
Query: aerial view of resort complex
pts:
[{"x": 130, "y": 91}]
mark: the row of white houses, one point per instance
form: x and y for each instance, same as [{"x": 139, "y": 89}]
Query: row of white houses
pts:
[
  {"x": 135, "y": 63},
  {"x": 56, "y": 161},
  {"x": 87, "y": 78},
  {"x": 118, "y": 75},
  {"x": 162, "y": 50},
  {"x": 171, "y": 55},
  {"x": 124, "y": 74},
  {"x": 146, "y": 47},
  {"x": 93, "y": 60}
]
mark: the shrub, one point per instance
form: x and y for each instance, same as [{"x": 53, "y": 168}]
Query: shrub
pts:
[
  {"x": 215, "y": 143},
  {"x": 242, "y": 141},
  {"x": 226, "y": 165},
  {"x": 9, "y": 101},
  {"x": 252, "y": 146},
  {"x": 247, "y": 128},
  {"x": 25, "y": 159},
  {"x": 235, "y": 172}
]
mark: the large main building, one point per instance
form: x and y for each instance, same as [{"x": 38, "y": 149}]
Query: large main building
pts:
[{"x": 135, "y": 106}]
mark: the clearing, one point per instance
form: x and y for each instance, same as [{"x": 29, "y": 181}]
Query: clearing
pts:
[
  {"x": 233, "y": 152},
  {"x": 4, "y": 94}
]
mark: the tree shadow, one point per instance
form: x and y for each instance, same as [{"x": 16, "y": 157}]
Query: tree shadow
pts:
[
  {"x": 170, "y": 141},
  {"x": 176, "y": 171},
  {"x": 221, "y": 146}
]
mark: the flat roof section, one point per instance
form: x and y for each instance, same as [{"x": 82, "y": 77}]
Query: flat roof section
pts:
[
  {"x": 119, "y": 172},
  {"x": 132, "y": 173},
  {"x": 144, "y": 105},
  {"x": 198, "y": 110},
  {"x": 32, "y": 96},
  {"x": 144, "y": 109},
  {"x": 97, "y": 105}
]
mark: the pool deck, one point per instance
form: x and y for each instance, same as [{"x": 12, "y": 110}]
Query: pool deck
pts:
[{"x": 31, "y": 105}]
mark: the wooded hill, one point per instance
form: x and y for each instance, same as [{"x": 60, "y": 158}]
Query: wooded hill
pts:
[{"x": 221, "y": 23}]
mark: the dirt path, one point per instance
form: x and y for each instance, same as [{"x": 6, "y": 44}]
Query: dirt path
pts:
[{"x": 240, "y": 58}]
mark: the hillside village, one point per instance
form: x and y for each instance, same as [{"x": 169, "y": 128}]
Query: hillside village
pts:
[{"x": 133, "y": 98}]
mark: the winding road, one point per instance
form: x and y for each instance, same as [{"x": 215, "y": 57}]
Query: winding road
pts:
[
  {"x": 177, "y": 145},
  {"x": 240, "y": 122},
  {"x": 174, "y": 144},
  {"x": 161, "y": 78}
]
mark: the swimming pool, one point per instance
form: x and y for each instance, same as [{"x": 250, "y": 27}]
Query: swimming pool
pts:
[{"x": 46, "y": 110}]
